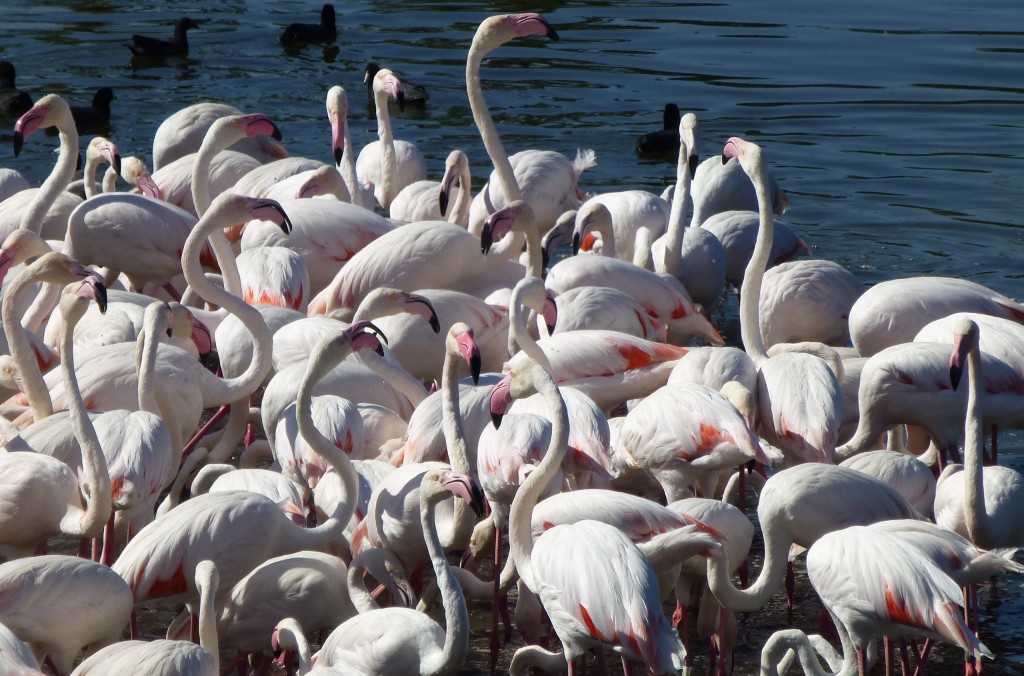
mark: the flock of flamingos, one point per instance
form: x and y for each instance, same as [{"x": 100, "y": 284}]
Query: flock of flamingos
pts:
[{"x": 431, "y": 382}]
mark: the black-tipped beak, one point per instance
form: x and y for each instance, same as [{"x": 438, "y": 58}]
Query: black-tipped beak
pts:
[
  {"x": 725, "y": 158},
  {"x": 486, "y": 238},
  {"x": 286, "y": 223},
  {"x": 496, "y": 419},
  {"x": 442, "y": 201},
  {"x": 19, "y": 141},
  {"x": 956, "y": 372},
  {"x": 577, "y": 240},
  {"x": 694, "y": 162},
  {"x": 479, "y": 502},
  {"x": 338, "y": 152},
  {"x": 101, "y": 297},
  {"x": 276, "y": 135},
  {"x": 474, "y": 368}
]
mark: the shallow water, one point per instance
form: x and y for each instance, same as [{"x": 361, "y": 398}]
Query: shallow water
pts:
[{"x": 895, "y": 128}]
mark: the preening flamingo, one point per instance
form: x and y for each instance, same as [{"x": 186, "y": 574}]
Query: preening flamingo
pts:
[
  {"x": 604, "y": 607},
  {"x": 163, "y": 657},
  {"x": 631, "y": 210},
  {"x": 798, "y": 394},
  {"x": 402, "y": 640},
  {"x": 60, "y": 605},
  {"x": 985, "y": 504},
  {"x": 389, "y": 164},
  {"x": 43, "y": 496}
]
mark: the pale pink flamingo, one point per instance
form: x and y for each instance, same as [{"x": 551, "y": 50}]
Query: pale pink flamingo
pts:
[
  {"x": 545, "y": 179},
  {"x": 44, "y": 211},
  {"x": 797, "y": 506},
  {"x": 192, "y": 181},
  {"x": 983, "y": 506},
  {"x": 687, "y": 435},
  {"x": 616, "y": 605},
  {"x": 99, "y": 150},
  {"x": 182, "y": 133},
  {"x": 630, "y": 210},
  {"x": 428, "y": 200},
  {"x": 219, "y": 478},
  {"x": 798, "y": 395},
  {"x": 737, "y": 231},
  {"x": 602, "y": 307},
  {"x": 389, "y": 164},
  {"x": 164, "y": 657},
  {"x": 662, "y": 295},
  {"x": 724, "y": 186},
  {"x": 910, "y": 384},
  {"x": 274, "y": 275},
  {"x": 337, "y": 419},
  {"x": 42, "y": 600},
  {"x": 12, "y": 181},
  {"x": 264, "y": 177},
  {"x": 402, "y": 640},
  {"x": 360, "y": 194},
  {"x": 807, "y": 300},
  {"x": 135, "y": 172},
  {"x": 998, "y": 337},
  {"x": 904, "y": 472},
  {"x": 872, "y": 583},
  {"x": 324, "y": 182},
  {"x": 326, "y": 233},
  {"x": 237, "y": 530},
  {"x": 716, "y": 366},
  {"x": 692, "y": 255},
  {"x": 893, "y": 311},
  {"x": 47, "y": 496}
]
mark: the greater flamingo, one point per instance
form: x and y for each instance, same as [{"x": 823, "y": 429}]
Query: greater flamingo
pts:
[{"x": 183, "y": 132}]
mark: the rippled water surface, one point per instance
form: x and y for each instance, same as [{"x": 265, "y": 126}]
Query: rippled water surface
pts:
[{"x": 895, "y": 128}]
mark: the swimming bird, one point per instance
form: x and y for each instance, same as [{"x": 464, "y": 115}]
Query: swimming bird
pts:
[
  {"x": 95, "y": 116},
  {"x": 13, "y": 101},
  {"x": 666, "y": 139},
  {"x": 325, "y": 31},
  {"x": 143, "y": 45}
]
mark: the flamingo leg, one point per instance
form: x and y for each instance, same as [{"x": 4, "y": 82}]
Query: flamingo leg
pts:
[
  {"x": 495, "y": 641},
  {"x": 887, "y": 651},
  {"x": 861, "y": 663},
  {"x": 204, "y": 430},
  {"x": 109, "y": 543},
  {"x": 923, "y": 656},
  {"x": 904, "y": 658}
]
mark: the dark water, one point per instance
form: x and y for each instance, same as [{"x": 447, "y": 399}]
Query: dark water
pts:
[{"x": 895, "y": 128}]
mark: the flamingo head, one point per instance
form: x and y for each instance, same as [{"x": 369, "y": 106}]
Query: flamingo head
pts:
[
  {"x": 256, "y": 124},
  {"x": 337, "y": 113},
  {"x": 688, "y": 136},
  {"x": 452, "y": 170},
  {"x": 500, "y": 399},
  {"x": 465, "y": 487},
  {"x": 43, "y": 114},
  {"x": 554, "y": 237},
  {"x": 748, "y": 154},
  {"x": 107, "y": 150},
  {"x": 586, "y": 218},
  {"x": 266, "y": 210},
  {"x": 510, "y": 217},
  {"x": 530, "y": 23},
  {"x": 965, "y": 338},
  {"x": 387, "y": 82},
  {"x": 413, "y": 303},
  {"x": 89, "y": 288},
  {"x": 135, "y": 172},
  {"x": 365, "y": 335},
  {"x": 461, "y": 335},
  {"x": 550, "y": 311}
]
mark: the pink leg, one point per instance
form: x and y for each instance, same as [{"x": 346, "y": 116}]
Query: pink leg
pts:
[
  {"x": 861, "y": 663},
  {"x": 109, "y": 544},
  {"x": 204, "y": 430},
  {"x": 923, "y": 656},
  {"x": 887, "y": 651}
]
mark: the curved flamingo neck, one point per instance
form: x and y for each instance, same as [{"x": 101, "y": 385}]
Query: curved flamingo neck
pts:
[
  {"x": 603, "y": 226},
  {"x": 325, "y": 358},
  {"x": 455, "y": 439},
  {"x": 58, "y": 180},
  {"x": 32, "y": 383},
  {"x": 291, "y": 632},
  {"x": 459, "y": 212},
  {"x": 456, "y": 616},
  {"x": 392, "y": 372},
  {"x": 750, "y": 291},
  {"x": 776, "y": 650},
  {"x": 147, "y": 349},
  {"x": 206, "y": 581},
  {"x": 95, "y": 476},
  {"x": 221, "y": 135},
  {"x": 768, "y": 581},
  {"x": 225, "y": 391},
  {"x": 519, "y": 529},
  {"x": 482, "y": 116},
  {"x": 519, "y": 333}
]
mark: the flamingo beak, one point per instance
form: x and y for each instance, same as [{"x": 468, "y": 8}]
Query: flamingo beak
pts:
[{"x": 500, "y": 400}]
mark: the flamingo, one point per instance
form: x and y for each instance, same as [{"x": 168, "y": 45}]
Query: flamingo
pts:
[
  {"x": 183, "y": 133},
  {"x": 428, "y": 200},
  {"x": 602, "y": 307},
  {"x": 686, "y": 435},
  {"x": 237, "y": 530},
  {"x": 737, "y": 231},
  {"x": 44, "y": 211},
  {"x": 389, "y": 164},
  {"x": 45, "y": 497},
  {"x": 402, "y": 640},
  {"x": 145, "y": 46},
  {"x": 415, "y": 94},
  {"x": 631, "y": 211},
  {"x": 797, "y": 506},
  {"x": 798, "y": 395},
  {"x": 257, "y": 182},
  {"x": 985, "y": 505},
  {"x": 164, "y": 657},
  {"x": 544, "y": 179},
  {"x": 216, "y": 477},
  {"x": 100, "y": 149},
  {"x": 341, "y": 144},
  {"x": 12, "y": 181},
  {"x": 605, "y": 607},
  {"x": 325, "y": 31},
  {"x": 904, "y": 472},
  {"x": 723, "y": 186},
  {"x": 807, "y": 300},
  {"x": 88, "y": 602},
  {"x": 692, "y": 255},
  {"x": 872, "y": 583},
  {"x": 18, "y": 659},
  {"x": 136, "y": 173}
]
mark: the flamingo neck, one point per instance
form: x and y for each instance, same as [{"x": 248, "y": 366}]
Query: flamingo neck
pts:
[
  {"x": 32, "y": 382},
  {"x": 455, "y": 439},
  {"x": 361, "y": 599},
  {"x": 95, "y": 476},
  {"x": 775, "y": 656},
  {"x": 219, "y": 391},
  {"x": 388, "y": 162},
  {"x": 347, "y": 167},
  {"x": 484, "y": 123},
  {"x": 146, "y": 353},
  {"x": 768, "y": 581},
  {"x": 750, "y": 291},
  {"x": 519, "y": 529},
  {"x": 217, "y": 139},
  {"x": 89, "y": 184},
  {"x": 456, "y": 616},
  {"x": 519, "y": 333},
  {"x": 392, "y": 372},
  {"x": 977, "y": 518},
  {"x": 291, "y": 632},
  {"x": 57, "y": 181},
  {"x": 673, "y": 250},
  {"x": 459, "y": 211},
  {"x": 109, "y": 180},
  {"x": 206, "y": 580},
  {"x": 605, "y": 228},
  {"x": 319, "y": 365}
]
